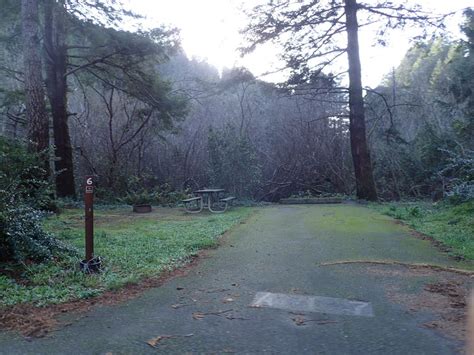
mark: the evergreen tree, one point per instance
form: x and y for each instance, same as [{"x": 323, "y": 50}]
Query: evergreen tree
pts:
[
  {"x": 310, "y": 32},
  {"x": 37, "y": 117}
]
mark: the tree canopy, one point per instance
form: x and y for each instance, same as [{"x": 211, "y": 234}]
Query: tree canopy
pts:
[
  {"x": 310, "y": 33},
  {"x": 137, "y": 110}
]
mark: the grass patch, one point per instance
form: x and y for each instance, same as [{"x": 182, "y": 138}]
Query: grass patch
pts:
[
  {"x": 452, "y": 225},
  {"x": 132, "y": 246}
]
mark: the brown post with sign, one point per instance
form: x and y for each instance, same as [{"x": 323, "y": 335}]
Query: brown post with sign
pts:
[{"x": 89, "y": 217}]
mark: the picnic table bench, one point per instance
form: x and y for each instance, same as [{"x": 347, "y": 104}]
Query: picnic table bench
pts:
[
  {"x": 207, "y": 198},
  {"x": 227, "y": 199},
  {"x": 188, "y": 203}
]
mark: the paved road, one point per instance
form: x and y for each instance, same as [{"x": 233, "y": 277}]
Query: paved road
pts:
[{"x": 276, "y": 254}]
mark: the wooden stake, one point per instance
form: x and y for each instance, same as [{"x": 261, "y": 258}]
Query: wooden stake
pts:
[{"x": 89, "y": 217}]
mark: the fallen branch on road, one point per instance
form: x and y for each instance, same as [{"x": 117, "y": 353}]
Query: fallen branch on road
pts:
[
  {"x": 299, "y": 320},
  {"x": 399, "y": 263},
  {"x": 201, "y": 315}
]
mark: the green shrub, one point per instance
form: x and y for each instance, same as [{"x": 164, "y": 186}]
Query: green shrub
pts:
[
  {"x": 138, "y": 198},
  {"x": 163, "y": 195},
  {"x": 414, "y": 211},
  {"x": 23, "y": 178},
  {"x": 22, "y": 237},
  {"x": 24, "y": 191},
  {"x": 459, "y": 175}
]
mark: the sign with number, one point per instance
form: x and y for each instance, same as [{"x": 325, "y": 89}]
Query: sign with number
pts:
[
  {"x": 89, "y": 216},
  {"x": 89, "y": 185}
]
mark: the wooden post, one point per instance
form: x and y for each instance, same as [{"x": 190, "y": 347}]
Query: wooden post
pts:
[{"x": 89, "y": 217}]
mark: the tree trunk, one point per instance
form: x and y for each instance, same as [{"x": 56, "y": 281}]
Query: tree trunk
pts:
[
  {"x": 56, "y": 83},
  {"x": 37, "y": 116},
  {"x": 360, "y": 153}
]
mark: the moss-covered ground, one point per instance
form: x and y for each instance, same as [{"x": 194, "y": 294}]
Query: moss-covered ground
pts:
[
  {"x": 452, "y": 225},
  {"x": 132, "y": 246}
]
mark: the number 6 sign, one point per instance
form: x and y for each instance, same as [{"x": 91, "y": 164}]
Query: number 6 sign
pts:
[
  {"x": 89, "y": 185},
  {"x": 91, "y": 263},
  {"x": 89, "y": 216}
]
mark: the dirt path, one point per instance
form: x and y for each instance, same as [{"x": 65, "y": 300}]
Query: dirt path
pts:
[{"x": 280, "y": 283}]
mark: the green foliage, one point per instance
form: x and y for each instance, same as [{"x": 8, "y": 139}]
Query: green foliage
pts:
[
  {"x": 123, "y": 73},
  {"x": 233, "y": 163},
  {"x": 310, "y": 194},
  {"x": 132, "y": 247},
  {"x": 452, "y": 225},
  {"x": 459, "y": 172},
  {"x": 23, "y": 192},
  {"x": 424, "y": 148},
  {"x": 146, "y": 190},
  {"x": 140, "y": 198},
  {"x": 166, "y": 195},
  {"x": 161, "y": 195},
  {"x": 10, "y": 27},
  {"x": 129, "y": 62},
  {"x": 22, "y": 237},
  {"x": 22, "y": 177}
]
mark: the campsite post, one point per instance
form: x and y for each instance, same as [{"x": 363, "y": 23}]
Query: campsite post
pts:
[{"x": 89, "y": 217}]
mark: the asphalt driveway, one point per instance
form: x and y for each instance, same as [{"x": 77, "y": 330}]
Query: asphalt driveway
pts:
[{"x": 265, "y": 290}]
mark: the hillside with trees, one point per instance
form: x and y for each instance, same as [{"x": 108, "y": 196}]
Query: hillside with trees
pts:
[
  {"x": 123, "y": 158},
  {"x": 79, "y": 95}
]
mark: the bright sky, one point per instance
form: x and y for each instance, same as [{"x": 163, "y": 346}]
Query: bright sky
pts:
[{"x": 210, "y": 31}]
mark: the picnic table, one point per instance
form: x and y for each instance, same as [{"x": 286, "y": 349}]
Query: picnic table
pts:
[{"x": 208, "y": 198}]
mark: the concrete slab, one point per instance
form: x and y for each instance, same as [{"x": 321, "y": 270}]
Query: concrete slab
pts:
[{"x": 316, "y": 304}]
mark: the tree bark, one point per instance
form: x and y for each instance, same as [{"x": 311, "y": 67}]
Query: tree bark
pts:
[
  {"x": 37, "y": 116},
  {"x": 55, "y": 51},
  {"x": 360, "y": 152}
]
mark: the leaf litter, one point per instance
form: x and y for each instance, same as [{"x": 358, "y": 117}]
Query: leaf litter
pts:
[
  {"x": 153, "y": 342},
  {"x": 445, "y": 299},
  {"x": 300, "y": 320},
  {"x": 202, "y": 315}
]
